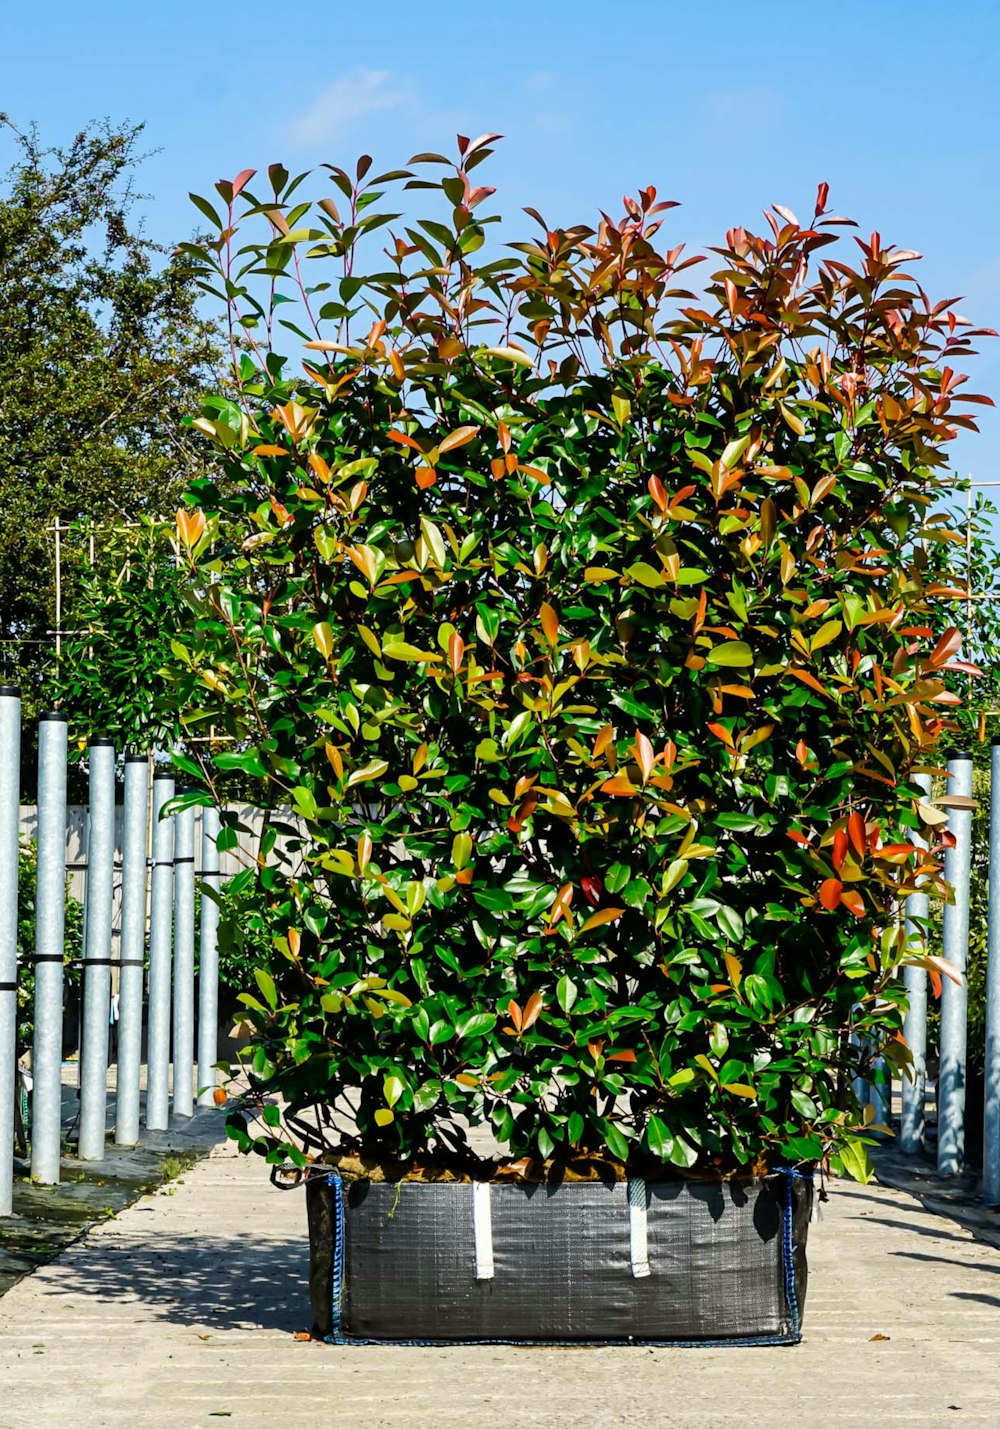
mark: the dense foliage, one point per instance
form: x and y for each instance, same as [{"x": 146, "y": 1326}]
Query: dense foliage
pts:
[
  {"x": 101, "y": 352},
  {"x": 126, "y": 610},
  {"x": 591, "y": 629}
]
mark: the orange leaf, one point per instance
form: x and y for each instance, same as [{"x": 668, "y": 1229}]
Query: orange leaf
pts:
[
  {"x": 191, "y": 526},
  {"x": 620, "y": 784},
  {"x": 536, "y": 472},
  {"x": 856, "y": 830},
  {"x": 320, "y": 467},
  {"x": 949, "y": 644},
  {"x": 854, "y": 902},
  {"x": 839, "y": 848},
  {"x": 604, "y": 738},
  {"x": 457, "y": 438},
  {"x": 606, "y": 915},
  {"x": 935, "y": 964},
  {"x": 896, "y": 853},
  {"x": 657, "y": 492},
  {"x": 734, "y": 968},
  {"x": 809, "y": 680},
  {"x": 405, "y": 440},
  {"x": 627, "y": 1055},
  {"x": 515, "y": 1014},
  {"x": 831, "y": 893},
  {"x": 549, "y": 622},
  {"x": 721, "y": 732},
  {"x": 426, "y": 477},
  {"x": 644, "y": 756},
  {"x": 268, "y": 450},
  {"x": 532, "y": 1011},
  {"x": 456, "y": 649}
]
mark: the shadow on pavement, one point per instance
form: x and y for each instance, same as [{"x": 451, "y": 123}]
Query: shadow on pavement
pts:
[{"x": 212, "y": 1281}]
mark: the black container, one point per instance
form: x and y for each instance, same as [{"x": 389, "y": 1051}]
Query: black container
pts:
[{"x": 397, "y": 1262}]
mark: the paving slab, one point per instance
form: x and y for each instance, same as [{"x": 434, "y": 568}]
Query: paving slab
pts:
[{"x": 181, "y": 1313}]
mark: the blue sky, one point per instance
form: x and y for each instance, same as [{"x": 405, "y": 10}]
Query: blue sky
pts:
[{"x": 726, "y": 107}]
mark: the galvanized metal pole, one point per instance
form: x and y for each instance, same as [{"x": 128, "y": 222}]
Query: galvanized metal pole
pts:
[
  {"x": 991, "y": 1113},
  {"x": 160, "y": 942},
  {"x": 208, "y": 960},
  {"x": 50, "y": 916},
  {"x": 133, "y": 944},
  {"x": 97, "y": 951},
  {"x": 914, "y": 1087},
  {"x": 10, "y": 792},
  {"x": 954, "y": 999},
  {"x": 183, "y": 1103}
]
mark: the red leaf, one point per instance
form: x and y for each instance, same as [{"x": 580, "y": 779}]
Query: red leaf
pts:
[
  {"x": 592, "y": 888},
  {"x": 856, "y": 830},
  {"x": 241, "y": 180},
  {"x": 479, "y": 143},
  {"x": 839, "y": 848},
  {"x": 949, "y": 644},
  {"x": 831, "y": 892}
]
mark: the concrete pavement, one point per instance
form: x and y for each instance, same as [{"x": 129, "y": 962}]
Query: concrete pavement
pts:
[{"x": 181, "y": 1313}]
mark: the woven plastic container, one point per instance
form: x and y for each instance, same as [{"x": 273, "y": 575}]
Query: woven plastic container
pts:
[{"x": 681, "y": 1262}]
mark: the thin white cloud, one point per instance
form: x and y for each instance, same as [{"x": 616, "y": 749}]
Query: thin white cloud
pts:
[{"x": 353, "y": 96}]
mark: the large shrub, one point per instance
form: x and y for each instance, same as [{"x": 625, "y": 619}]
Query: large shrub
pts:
[{"x": 587, "y": 626}]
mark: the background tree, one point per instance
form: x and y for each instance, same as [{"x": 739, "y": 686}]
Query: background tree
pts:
[{"x": 102, "y": 351}]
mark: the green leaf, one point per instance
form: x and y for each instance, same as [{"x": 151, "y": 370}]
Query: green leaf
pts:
[
  {"x": 374, "y": 769},
  {"x": 392, "y": 1089},
  {"x": 730, "y": 922},
  {"x": 804, "y": 1105},
  {"x": 617, "y": 876},
  {"x": 616, "y": 1142},
  {"x": 646, "y": 575},
  {"x": 566, "y": 993},
  {"x": 735, "y": 653},
  {"x": 658, "y": 1138},
  {"x": 682, "y": 1153},
  {"x": 268, "y": 990},
  {"x": 400, "y": 650},
  {"x": 854, "y": 1158},
  {"x": 475, "y": 1024}
]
